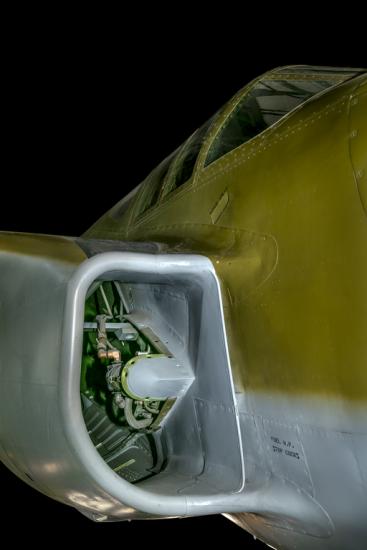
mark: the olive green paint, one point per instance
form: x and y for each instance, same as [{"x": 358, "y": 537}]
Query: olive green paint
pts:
[
  {"x": 289, "y": 245},
  {"x": 63, "y": 249}
]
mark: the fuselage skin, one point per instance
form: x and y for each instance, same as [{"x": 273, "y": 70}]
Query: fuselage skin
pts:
[{"x": 283, "y": 219}]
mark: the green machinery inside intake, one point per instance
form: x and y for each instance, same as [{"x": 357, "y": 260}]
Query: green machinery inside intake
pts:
[{"x": 124, "y": 427}]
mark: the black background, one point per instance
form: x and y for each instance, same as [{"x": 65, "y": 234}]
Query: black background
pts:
[{"x": 88, "y": 110}]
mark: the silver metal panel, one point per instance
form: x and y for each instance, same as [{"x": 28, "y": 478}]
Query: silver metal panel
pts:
[
  {"x": 318, "y": 446},
  {"x": 45, "y": 441},
  {"x": 43, "y": 435},
  {"x": 196, "y": 275},
  {"x": 159, "y": 377},
  {"x": 186, "y": 317}
]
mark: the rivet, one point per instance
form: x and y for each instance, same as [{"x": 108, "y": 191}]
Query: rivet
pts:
[
  {"x": 354, "y": 133},
  {"x": 354, "y": 101}
]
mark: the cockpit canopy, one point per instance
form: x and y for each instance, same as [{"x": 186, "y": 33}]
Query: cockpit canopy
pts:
[{"x": 254, "y": 109}]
